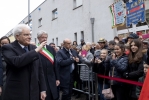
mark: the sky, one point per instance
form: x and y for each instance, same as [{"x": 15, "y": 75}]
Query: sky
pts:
[{"x": 13, "y": 12}]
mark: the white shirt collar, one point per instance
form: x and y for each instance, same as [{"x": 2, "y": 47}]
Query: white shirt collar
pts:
[{"x": 21, "y": 45}]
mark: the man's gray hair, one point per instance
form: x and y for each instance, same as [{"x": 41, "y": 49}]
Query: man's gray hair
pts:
[
  {"x": 41, "y": 32},
  {"x": 18, "y": 29}
]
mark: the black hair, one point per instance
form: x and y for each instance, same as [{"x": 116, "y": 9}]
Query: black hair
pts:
[
  {"x": 73, "y": 43},
  {"x": 116, "y": 37},
  {"x": 4, "y": 37},
  {"x": 52, "y": 43},
  {"x": 121, "y": 46}
]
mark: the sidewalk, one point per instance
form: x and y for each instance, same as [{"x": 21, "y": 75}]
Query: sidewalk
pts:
[{"x": 82, "y": 97}]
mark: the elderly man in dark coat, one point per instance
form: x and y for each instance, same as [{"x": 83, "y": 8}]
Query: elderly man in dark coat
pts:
[
  {"x": 67, "y": 60},
  {"x": 1, "y": 74},
  {"x": 49, "y": 67},
  {"x": 25, "y": 78}
]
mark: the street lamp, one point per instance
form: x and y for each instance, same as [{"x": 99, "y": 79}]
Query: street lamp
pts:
[{"x": 92, "y": 22}]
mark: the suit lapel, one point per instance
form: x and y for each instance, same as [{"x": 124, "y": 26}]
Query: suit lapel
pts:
[
  {"x": 17, "y": 47},
  {"x": 66, "y": 52}
]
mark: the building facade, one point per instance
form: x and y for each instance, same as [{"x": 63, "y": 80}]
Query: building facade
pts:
[{"x": 72, "y": 19}]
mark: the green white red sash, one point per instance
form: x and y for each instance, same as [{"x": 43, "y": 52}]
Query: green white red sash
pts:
[{"x": 47, "y": 54}]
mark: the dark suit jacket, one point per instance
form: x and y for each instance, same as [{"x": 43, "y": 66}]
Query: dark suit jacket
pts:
[
  {"x": 64, "y": 63},
  {"x": 50, "y": 73},
  {"x": 1, "y": 71},
  {"x": 25, "y": 78}
]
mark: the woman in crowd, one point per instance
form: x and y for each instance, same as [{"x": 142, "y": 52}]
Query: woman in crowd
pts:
[
  {"x": 97, "y": 50},
  {"x": 116, "y": 39},
  {"x": 4, "y": 40},
  {"x": 87, "y": 58},
  {"x": 75, "y": 43},
  {"x": 102, "y": 66},
  {"x": 119, "y": 65},
  {"x": 135, "y": 68}
]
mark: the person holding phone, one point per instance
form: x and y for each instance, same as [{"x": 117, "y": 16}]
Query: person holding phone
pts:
[
  {"x": 67, "y": 60},
  {"x": 119, "y": 64},
  {"x": 102, "y": 66}
]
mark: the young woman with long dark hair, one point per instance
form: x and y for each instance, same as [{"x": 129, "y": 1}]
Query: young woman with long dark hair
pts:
[
  {"x": 135, "y": 68},
  {"x": 119, "y": 64}
]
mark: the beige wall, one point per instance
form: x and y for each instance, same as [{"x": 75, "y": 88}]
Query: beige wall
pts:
[{"x": 11, "y": 38}]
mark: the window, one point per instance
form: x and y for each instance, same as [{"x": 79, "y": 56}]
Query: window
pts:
[
  {"x": 75, "y": 36},
  {"x": 54, "y": 14},
  {"x": 57, "y": 41},
  {"x": 30, "y": 24},
  {"x": 40, "y": 22},
  {"x": 77, "y": 3},
  {"x": 53, "y": 40},
  {"x": 82, "y": 35},
  {"x": 26, "y": 23}
]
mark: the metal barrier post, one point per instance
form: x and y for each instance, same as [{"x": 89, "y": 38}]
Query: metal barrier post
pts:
[
  {"x": 96, "y": 86},
  {"x": 90, "y": 83},
  {"x": 89, "y": 86}
]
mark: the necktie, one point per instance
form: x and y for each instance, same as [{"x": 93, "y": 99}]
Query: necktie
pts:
[
  {"x": 26, "y": 49},
  {"x": 72, "y": 65}
]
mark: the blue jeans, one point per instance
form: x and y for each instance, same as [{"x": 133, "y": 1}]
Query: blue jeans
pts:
[{"x": 100, "y": 88}]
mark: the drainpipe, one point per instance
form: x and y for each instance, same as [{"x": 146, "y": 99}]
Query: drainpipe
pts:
[{"x": 92, "y": 22}]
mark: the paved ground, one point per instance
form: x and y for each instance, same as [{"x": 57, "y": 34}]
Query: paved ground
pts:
[{"x": 82, "y": 97}]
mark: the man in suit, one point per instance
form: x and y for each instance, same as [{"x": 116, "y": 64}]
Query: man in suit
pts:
[
  {"x": 49, "y": 67},
  {"x": 25, "y": 78},
  {"x": 67, "y": 60},
  {"x": 1, "y": 75}
]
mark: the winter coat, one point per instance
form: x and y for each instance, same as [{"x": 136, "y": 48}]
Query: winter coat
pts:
[
  {"x": 139, "y": 88},
  {"x": 84, "y": 70},
  {"x": 135, "y": 71},
  {"x": 120, "y": 65},
  {"x": 102, "y": 69}
]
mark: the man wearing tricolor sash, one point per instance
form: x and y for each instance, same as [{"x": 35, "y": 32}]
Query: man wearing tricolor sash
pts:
[{"x": 47, "y": 55}]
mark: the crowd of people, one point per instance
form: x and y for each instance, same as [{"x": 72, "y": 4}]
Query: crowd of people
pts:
[{"x": 40, "y": 72}]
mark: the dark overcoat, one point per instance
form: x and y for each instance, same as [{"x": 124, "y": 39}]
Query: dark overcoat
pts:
[
  {"x": 64, "y": 63},
  {"x": 51, "y": 74},
  {"x": 25, "y": 77},
  {"x": 1, "y": 71}
]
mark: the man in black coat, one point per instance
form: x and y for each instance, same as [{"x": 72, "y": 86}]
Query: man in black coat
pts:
[
  {"x": 1, "y": 75},
  {"x": 67, "y": 60},
  {"x": 49, "y": 67},
  {"x": 25, "y": 78}
]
